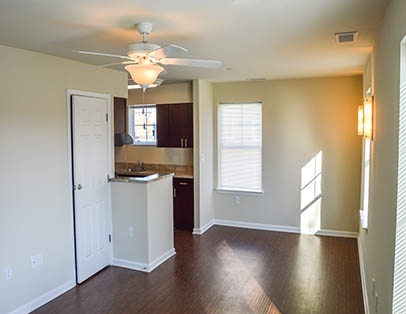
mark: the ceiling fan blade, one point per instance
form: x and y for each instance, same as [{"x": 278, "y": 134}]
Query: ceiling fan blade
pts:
[
  {"x": 115, "y": 63},
  {"x": 103, "y": 54},
  {"x": 191, "y": 63},
  {"x": 167, "y": 51}
]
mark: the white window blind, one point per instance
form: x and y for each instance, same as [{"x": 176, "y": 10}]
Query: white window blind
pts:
[
  {"x": 142, "y": 124},
  {"x": 240, "y": 147}
]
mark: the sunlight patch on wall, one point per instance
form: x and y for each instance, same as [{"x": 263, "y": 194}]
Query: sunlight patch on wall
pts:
[{"x": 310, "y": 195}]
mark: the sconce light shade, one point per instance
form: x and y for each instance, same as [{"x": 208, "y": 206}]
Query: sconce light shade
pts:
[
  {"x": 144, "y": 74},
  {"x": 360, "y": 120},
  {"x": 368, "y": 117},
  {"x": 365, "y": 118}
]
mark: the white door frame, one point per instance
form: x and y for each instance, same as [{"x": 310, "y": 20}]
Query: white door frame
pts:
[{"x": 110, "y": 158}]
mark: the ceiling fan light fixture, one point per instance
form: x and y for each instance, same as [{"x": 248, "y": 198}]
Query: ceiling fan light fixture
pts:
[
  {"x": 144, "y": 74},
  {"x": 155, "y": 84}
]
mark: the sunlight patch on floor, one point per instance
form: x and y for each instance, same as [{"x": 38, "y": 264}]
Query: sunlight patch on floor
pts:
[{"x": 255, "y": 297}]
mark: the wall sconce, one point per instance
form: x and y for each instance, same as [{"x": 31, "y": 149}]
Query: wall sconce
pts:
[{"x": 365, "y": 118}]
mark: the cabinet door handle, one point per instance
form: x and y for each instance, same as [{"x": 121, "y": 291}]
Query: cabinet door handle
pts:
[
  {"x": 185, "y": 142},
  {"x": 181, "y": 142},
  {"x": 182, "y": 183},
  {"x": 174, "y": 192}
]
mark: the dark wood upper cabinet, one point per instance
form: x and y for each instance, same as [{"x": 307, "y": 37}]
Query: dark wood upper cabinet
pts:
[
  {"x": 175, "y": 125},
  {"x": 120, "y": 115},
  {"x": 183, "y": 203},
  {"x": 162, "y": 123}
]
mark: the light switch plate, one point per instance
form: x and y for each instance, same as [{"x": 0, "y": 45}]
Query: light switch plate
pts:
[{"x": 131, "y": 232}]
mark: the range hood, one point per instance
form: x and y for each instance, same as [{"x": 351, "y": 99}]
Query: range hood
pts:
[{"x": 121, "y": 139}]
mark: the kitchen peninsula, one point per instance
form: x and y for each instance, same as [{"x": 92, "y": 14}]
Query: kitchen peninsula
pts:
[{"x": 142, "y": 221}]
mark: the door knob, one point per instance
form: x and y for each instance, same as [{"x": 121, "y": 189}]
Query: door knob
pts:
[{"x": 79, "y": 186}]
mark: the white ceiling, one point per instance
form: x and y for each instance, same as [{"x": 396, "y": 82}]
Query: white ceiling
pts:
[{"x": 256, "y": 38}]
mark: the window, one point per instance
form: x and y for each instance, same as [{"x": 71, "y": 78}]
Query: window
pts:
[
  {"x": 365, "y": 182},
  {"x": 142, "y": 124},
  {"x": 240, "y": 147},
  {"x": 366, "y": 170}
]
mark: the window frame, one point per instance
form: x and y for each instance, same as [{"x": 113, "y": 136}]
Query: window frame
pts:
[
  {"x": 366, "y": 175},
  {"x": 219, "y": 189},
  {"x": 139, "y": 106},
  {"x": 366, "y": 182}
]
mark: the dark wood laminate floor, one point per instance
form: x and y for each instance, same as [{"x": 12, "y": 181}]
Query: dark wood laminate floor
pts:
[{"x": 230, "y": 270}]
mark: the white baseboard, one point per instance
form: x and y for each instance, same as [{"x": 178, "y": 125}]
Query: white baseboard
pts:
[
  {"x": 200, "y": 231},
  {"x": 363, "y": 278},
  {"x": 336, "y": 233},
  {"x": 130, "y": 264},
  {"x": 147, "y": 268},
  {"x": 251, "y": 225},
  {"x": 161, "y": 259},
  {"x": 45, "y": 298}
]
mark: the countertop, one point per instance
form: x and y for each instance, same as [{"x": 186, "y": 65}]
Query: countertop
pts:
[
  {"x": 180, "y": 171},
  {"x": 183, "y": 176},
  {"x": 147, "y": 179}
]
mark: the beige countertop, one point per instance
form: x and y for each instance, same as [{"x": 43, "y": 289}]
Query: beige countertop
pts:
[
  {"x": 146, "y": 179},
  {"x": 179, "y": 171}
]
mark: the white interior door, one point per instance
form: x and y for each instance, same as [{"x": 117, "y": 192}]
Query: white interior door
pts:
[{"x": 90, "y": 169}]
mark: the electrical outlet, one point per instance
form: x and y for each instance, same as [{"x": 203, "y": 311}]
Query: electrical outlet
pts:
[
  {"x": 237, "y": 200},
  {"x": 9, "y": 272},
  {"x": 34, "y": 262},
  {"x": 131, "y": 232}
]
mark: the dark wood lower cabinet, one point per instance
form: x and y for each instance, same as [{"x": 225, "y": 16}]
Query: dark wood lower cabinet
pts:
[{"x": 183, "y": 203}]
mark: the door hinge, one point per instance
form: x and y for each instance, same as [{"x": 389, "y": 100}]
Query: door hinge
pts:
[
  {"x": 109, "y": 237},
  {"x": 107, "y": 117}
]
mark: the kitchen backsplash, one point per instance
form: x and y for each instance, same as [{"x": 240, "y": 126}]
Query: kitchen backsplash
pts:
[{"x": 154, "y": 155}]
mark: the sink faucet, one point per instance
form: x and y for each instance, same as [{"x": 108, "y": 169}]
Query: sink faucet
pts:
[{"x": 140, "y": 166}]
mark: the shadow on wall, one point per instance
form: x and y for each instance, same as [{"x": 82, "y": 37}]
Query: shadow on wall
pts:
[{"x": 310, "y": 195}]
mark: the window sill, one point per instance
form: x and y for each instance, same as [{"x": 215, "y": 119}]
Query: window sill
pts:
[
  {"x": 363, "y": 219},
  {"x": 242, "y": 192}
]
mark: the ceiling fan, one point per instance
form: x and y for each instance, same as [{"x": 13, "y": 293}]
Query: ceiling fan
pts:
[{"x": 143, "y": 59}]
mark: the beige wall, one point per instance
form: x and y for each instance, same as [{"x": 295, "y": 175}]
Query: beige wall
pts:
[
  {"x": 160, "y": 218},
  {"x": 137, "y": 205},
  {"x": 203, "y": 153},
  {"x": 130, "y": 209},
  {"x": 34, "y": 181},
  {"x": 377, "y": 244},
  {"x": 164, "y": 94},
  {"x": 300, "y": 118}
]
